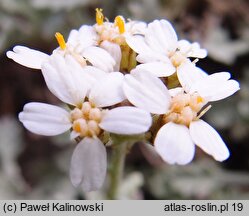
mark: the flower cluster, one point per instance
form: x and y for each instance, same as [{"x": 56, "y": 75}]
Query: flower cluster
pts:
[{"x": 129, "y": 78}]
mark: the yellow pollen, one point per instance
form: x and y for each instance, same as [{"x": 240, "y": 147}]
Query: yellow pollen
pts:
[
  {"x": 185, "y": 108},
  {"x": 200, "y": 99},
  {"x": 76, "y": 127},
  {"x": 99, "y": 16},
  {"x": 60, "y": 39},
  {"x": 119, "y": 21}
]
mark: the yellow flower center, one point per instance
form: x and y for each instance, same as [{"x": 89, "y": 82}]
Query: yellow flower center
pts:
[
  {"x": 99, "y": 16},
  {"x": 185, "y": 108},
  {"x": 120, "y": 23},
  {"x": 60, "y": 39},
  {"x": 86, "y": 120},
  {"x": 110, "y": 31}
]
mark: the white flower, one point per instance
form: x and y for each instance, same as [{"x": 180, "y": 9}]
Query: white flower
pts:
[
  {"x": 65, "y": 73},
  {"x": 27, "y": 57},
  {"x": 88, "y": 119},
  {"x": 161, "y": 51},
  {"x": 81, "y": 45},
  {"x": 180, "y": 110},
  {"x": 112, "y": 35}
]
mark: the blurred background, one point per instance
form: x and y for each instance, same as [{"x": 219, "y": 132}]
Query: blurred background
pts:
[{"x": 36, "y": 167}]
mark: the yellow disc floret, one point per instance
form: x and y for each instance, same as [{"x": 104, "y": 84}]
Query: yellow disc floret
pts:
[
  {"x": 60, "y": 39},
  {"x": 200, "y": 99},
  {"x": 120, "y": 23},
  {"x": 99, "y": 16},
  {"x": 85, "y": 120},
  {"x": 185, "y": 108}
]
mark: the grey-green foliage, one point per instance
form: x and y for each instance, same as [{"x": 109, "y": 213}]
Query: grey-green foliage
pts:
[{"x": 203, "y": 179}]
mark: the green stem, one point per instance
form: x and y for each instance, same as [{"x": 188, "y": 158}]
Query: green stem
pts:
[{"x": 116, "y": 169}]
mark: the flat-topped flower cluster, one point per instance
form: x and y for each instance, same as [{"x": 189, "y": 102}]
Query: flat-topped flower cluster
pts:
[{"x": 115, "y": 78}]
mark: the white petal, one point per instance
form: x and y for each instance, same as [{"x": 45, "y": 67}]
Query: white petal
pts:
[
  {"x": 216, "y": 86},
  {"x": 145, "y": 53},
  {"x": 184, "y": 46},
  {"x": 87, "y": 36},
  {"x": 220, "y": 76},
  {"x": 135, "y": 28},
  {"x": 82, "y": 38},
  {"x": 146, "y": 92},
  {"x": 114, "y": 50},
  {"x": 73, "y": 37},
  {"x": 45, "y": 119},
  {"x": 27, "y": 57},
  {"x": 196, "y": 51},
  {"x": 88, "y": 164},
  {"x": 188, "y": 74},
  {"x": 151, "y": 57},
  {"x": 99, "y": 58},
  {"x": 175, "y": 91},
  {"x": 93, "y": 74},
  {"x": 226, "y": 90},
  {"x": 126, "y": 120},
  {"x": 191, "y": 50},
  {"x": 65, "y": 79},
  {"x": 137, "y": 43},
  {"x": 108, "y": 90},
  {"x": 161, "y": 36},
  {"x": 174, "y": 144},
  {"x": 210, "y": 83},
  {"x": 207, "y": 138},
  {"x": 158, "y": 69}
]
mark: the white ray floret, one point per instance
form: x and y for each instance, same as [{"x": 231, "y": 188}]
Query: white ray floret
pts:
[
  {"x": 27, "y": 57},
  {"x": 180, "y": 110},
  {"x": 88, "y": 118},
  {"x": 160, "y": 51},
  {"x": 81, "y": 45}
]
